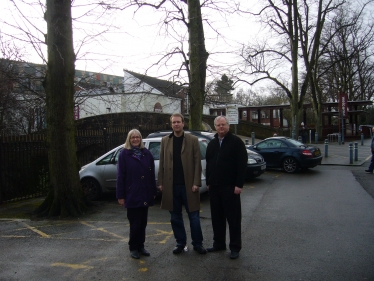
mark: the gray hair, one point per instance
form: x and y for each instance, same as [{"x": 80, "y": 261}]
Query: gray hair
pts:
[
  {"x": 127, "y": 144},
  {"x": 219, "y": 117}
]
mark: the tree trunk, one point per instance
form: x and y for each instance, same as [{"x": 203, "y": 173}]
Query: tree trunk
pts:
[
  {"x": 198, "y": 59},
  {"x": 65, "y": 197}
]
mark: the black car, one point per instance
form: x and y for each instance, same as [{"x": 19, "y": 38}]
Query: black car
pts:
[
  {"x": 256, "y": 165},
  {"x": 288, "y": 154}
]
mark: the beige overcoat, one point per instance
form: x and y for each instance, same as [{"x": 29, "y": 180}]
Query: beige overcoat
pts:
[{"x": 191, "y": 163}]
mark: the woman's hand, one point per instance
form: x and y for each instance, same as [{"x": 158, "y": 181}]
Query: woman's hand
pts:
[{"x": 121, "y": 202}]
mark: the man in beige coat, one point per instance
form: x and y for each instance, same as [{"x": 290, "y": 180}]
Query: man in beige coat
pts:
[{"x": 179, "y": 179}]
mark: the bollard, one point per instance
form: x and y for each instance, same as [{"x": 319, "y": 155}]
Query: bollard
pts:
[
  {"x": 246, "y": 142},
  {"x": 356, "y": 151},
  {"x": 326, "y": 148},
  {"x": 339, "y": 139},
  {"x": 350, "y": 153},
  {"x": 300, "y": 139},
  {"x": 253, "y": 138},
  {"x": 362, "y": 139},
  {"x": 316, "y": 137}
]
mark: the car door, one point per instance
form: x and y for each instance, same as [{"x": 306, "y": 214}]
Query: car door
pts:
[
  {"x": 279, "y": 149},
  {"x": 110, "y": 171},
  {"x": 265, "y": 149},
  {"x": 154, "y": 147},
  {"x": 272, "y": 150}
]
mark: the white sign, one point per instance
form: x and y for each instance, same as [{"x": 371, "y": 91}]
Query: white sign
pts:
[{"x": 232, "y": 115}]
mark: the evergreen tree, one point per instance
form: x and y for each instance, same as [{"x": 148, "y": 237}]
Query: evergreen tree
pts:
[{"x": 223, "y": 89}]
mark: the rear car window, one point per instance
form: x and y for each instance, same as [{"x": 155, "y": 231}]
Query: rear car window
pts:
[{"x": 154, "y": 148}]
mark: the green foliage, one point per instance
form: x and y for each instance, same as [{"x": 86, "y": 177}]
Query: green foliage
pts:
[{"x": 224, "y": 86}]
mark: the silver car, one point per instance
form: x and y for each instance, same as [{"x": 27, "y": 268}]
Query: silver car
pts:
[{"x": 100, "y": 176}]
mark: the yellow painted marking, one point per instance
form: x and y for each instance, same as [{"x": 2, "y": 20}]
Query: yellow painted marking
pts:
[
  {"x": 143, "y": 269},
  {"x": 72, "y": 266},
  {"x": 41, "y": 233},
  {"x": 103, "y": 230},
  {"x": 167, "y": 234},
  {"x": 251, "y": 186}
]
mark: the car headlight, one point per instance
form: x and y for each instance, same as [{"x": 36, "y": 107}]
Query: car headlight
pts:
[
  {"x": 83, "y": 167},
  {"x": 251, "y": 161}
]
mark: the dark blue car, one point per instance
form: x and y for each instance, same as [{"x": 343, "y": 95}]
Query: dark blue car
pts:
[{"x": 288, "y": 154}]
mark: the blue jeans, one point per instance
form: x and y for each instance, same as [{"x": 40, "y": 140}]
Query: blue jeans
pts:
[{"x": 177, "y": 224}]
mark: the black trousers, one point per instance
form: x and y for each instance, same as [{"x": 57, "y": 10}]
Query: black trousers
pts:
[
  {"x": 138, "y": 218},
  {"x": 225, "y": 205}
]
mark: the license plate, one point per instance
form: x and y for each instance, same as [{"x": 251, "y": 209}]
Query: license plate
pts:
[{"x": 263, "y": 167}]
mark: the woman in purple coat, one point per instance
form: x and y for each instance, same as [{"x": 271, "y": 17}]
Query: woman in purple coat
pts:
[{"x": 136, "y": 188}]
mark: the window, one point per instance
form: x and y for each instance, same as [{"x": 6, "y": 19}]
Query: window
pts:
[
  {"x": 154, "y": 148},
  {"x": 203, "y": 145}
]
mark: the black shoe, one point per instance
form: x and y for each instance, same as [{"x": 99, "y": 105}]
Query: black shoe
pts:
[
  {"x": 144, "y": 252},
  {"x": 178, "y": 249},
  {"x": 135, "y": 255},
  {"x": 200, "y": 249},
  {"x": 368, "y": 171},
  {"x": 234, "y": 255},
  {"x": 214, "y": 249}
]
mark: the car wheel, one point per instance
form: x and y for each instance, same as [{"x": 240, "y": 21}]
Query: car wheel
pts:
[
  {"x": 290, "y": 165},
  {"x": 91, "y": 189}
]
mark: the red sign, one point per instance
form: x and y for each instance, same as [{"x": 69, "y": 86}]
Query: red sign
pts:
[{"x": 343, "y": 105}]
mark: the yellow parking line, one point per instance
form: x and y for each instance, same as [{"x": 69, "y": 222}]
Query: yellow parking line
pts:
[
  {"x": 72, "y": 266},
  {"x": 103, "y": 230},
  {"x": 167, "y": 234},
  {"x": 41, "y": 233}
]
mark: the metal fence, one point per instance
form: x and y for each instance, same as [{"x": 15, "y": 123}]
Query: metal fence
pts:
[{"x": 24, "y": 159}]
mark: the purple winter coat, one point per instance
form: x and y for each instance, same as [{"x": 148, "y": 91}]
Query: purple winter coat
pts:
[{"x": 136, "y": 181}]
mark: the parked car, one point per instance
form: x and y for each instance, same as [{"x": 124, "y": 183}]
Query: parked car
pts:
[
  {"x": 255, "y": 164},
  {"x": 100, "y": 176},
  {"x": 288, "y": 154},
  {"x": 200, "y": 134}
]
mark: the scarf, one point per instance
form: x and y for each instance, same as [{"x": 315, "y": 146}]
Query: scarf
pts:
[{"x": 136, "y": 151}]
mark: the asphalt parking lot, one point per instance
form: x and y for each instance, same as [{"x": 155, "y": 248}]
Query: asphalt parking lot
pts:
[{"x": 314, "y": 225}]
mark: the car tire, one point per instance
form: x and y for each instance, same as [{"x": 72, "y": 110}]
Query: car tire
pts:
[
  {"x": 91, "y": 189},
  {"x": 290, "y": 165}
]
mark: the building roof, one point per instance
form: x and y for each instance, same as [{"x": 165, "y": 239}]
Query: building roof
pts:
[{"x": 168, "y": 88}]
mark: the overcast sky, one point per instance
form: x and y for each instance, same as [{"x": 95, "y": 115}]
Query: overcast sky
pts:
[{"x": 134, "y": 41}]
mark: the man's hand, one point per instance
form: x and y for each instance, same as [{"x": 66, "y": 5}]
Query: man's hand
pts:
[
  {"x": 237, "y": 190},
  {"x": 160, "y": 188},
  {"x": 195, "y": 188},
  {"x": 121, "y": 202}
]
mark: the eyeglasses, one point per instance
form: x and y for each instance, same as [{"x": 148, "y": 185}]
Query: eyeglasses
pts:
[
  {"x": 135, "y": 137},
  {"x": 220, "y": 125}
]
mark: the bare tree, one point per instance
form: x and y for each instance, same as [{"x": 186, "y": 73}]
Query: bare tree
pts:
[
  {"x": 21, "y": 94},
  {"x": 297, "y": 27},
  {"x": 346, "y": 61},
  {"x": 65, "y": 197}
]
